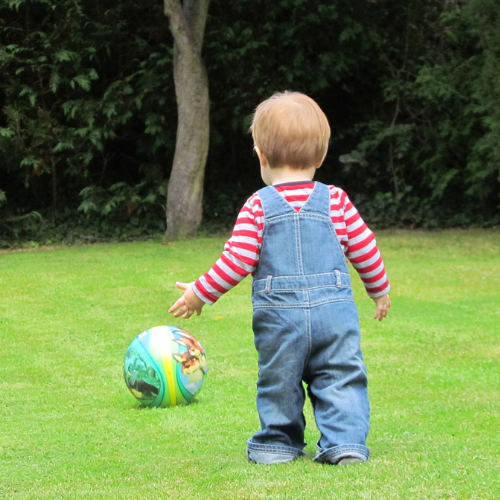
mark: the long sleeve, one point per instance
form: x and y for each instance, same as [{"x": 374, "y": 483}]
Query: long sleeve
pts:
[
  {"x": 359, "y": 244},
  {"x": 242, "y": 251},
  {"x": 240, "y": 256}
]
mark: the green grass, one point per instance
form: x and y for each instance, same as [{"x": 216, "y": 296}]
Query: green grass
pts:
[{"x": 69, "y": 428}]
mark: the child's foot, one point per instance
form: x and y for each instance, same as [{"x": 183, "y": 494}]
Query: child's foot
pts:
[{"x": 349, "y": 461}]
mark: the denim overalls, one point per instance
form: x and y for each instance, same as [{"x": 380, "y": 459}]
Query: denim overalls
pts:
[{"x": 306, "y": 328}]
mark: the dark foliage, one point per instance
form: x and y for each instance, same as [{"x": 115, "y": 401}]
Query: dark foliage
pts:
[{"x": 88, "y": 112}]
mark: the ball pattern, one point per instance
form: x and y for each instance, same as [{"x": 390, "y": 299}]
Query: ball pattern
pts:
[{"x": 165, "y": 366}]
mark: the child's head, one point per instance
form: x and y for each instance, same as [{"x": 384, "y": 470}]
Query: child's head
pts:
[{"x": 290, "y": 129}]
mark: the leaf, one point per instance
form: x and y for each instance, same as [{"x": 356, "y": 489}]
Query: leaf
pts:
[
  {"x": 82, "y": 132},
  {"x": 63, "y": 146},
  {"x": 55, "y": 80},
  {"x": 82, "y": 81},
  {"x": 6, "y": 132},
  {"x": 65, "y": 55},
  {"x": 87, "y": 206},
  {"x": 353, "y": 157},
  {"x": 29, "y": 161},
  {"x": 70, "y": 108},
  {"x": 26, "y": 90}
]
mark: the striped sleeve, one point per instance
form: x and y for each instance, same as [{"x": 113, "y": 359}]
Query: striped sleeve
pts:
[
  {"x": 359, "y": 244},
  {"x": 240, "y": 256},
  {"x": 242, "y": 251}
]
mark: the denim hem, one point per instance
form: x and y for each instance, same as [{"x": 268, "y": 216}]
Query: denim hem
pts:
[
  {"x": 337, "y": 453},
  {"x": 271, "y": 453}
]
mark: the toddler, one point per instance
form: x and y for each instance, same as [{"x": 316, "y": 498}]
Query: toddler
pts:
[{"x": 294, "y": 236}]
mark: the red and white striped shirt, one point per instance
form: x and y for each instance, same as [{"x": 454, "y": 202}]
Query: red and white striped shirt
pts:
[{"x": 242, "y": 251}]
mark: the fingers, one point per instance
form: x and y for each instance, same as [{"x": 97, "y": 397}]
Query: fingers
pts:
[
  {"x": 188, "y": 304},
  {"x": 382, "y": 313},
  {"x": 383, "y": 306},
  {"x": 186, "y": 315},
  {"x": 179, "y": 303},
  {"x": 182, "y": 312},
  {"x": 180, "y": 307}
]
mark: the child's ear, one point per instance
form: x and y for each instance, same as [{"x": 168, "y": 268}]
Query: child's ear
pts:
[
  {"x": 262, "y": 156},
  {"x": 317, "y": 165}
]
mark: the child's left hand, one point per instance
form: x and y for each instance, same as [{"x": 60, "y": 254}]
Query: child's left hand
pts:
[
  {"x": 188, "y": 304},
  {"x": 383, "y": 305}
]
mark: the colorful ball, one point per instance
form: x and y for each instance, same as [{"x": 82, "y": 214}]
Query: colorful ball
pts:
[{"x": 165, "y": 366}]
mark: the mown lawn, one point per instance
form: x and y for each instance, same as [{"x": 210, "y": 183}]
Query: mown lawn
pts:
[{"x": 69, "y": 428}]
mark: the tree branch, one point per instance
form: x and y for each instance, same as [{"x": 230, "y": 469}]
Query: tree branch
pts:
[
  {"x": 178, "y": 24},
  {"x": 187, "y": 22}
]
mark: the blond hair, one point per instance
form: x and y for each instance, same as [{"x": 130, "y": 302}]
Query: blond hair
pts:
[{"x": 291, "y": 129}]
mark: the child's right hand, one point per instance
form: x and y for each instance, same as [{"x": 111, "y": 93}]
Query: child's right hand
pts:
[
  {"x": 383, "y": 304},
  {"x": 188, "y": 304}
]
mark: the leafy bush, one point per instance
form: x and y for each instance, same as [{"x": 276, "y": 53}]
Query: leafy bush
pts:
[
  {"x": 431, "y": 149},
  {"x": 82, "y": 85},
  {"x": 87, "y": 105}
]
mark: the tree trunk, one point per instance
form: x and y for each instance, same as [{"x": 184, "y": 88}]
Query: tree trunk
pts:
[{"x": 185, "y": 187}]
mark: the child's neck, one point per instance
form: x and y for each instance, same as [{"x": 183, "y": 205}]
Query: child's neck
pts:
[{"x": 286, "y": 174}]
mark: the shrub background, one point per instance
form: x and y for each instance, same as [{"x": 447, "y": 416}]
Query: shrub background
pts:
[{"x": 88, "y": 112}]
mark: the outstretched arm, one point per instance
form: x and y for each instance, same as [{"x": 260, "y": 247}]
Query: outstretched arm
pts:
[
  {"x": 188, "y": 304},
  {"x": 240, "y": 256}
]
